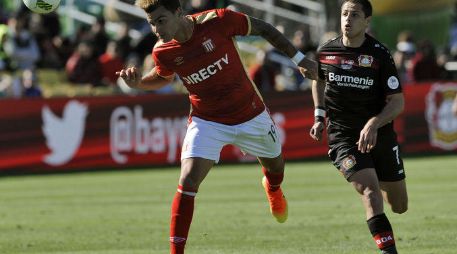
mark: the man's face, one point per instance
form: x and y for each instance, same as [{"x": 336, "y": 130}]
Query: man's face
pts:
[
  {"x": 164, "y": 23},
  {"x": 353, "y": 20}
]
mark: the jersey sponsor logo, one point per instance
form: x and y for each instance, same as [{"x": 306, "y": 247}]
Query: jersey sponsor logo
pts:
[
  {"x": 365, "y": 61},
  {"x": 179, "y": 60},
  {"x": 442, "y": 124},
  {"x": 346, "y": 64},
  {"x": 330, "y": 57},
  {"x": 209, "y": 46},
  {"x": 207, "y": 72},
  {"x": 351, "y": 81},
  {"x": 393, "y": 82}
]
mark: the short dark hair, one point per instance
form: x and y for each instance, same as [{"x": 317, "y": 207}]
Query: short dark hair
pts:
[
  {"x": 366, "y": 6},
  {"x": 151, "y": 5}
]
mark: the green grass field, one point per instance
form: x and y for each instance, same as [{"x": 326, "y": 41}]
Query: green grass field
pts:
[{"x": 128, "y": 212}]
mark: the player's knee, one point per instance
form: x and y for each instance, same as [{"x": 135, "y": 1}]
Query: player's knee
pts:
[
  {"x": 190, "y": 182},
  {"x": 400, "y": 208},
  {"x": 277, "y": 167}
]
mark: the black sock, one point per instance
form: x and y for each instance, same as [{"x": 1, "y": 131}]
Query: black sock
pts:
[{"x": 381, "y": 230}]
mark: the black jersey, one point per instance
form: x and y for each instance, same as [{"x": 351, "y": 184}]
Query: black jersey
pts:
[{"x": 357, "y": 81}]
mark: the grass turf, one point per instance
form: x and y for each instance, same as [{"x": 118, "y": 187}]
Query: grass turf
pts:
[{"x": 128, "y": 212}]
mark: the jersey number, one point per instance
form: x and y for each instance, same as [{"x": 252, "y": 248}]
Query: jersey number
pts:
[
  {"x": 272, "y": 133},
  {"x": 395, "y": 149}
]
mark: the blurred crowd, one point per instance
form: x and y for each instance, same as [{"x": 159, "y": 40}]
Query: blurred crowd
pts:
[{"x": 91, "y": 55}]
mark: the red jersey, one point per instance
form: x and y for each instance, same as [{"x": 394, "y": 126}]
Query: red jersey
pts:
[{"x": 210, "y": 67}]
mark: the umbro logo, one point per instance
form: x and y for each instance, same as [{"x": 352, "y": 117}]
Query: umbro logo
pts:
[
  {"x": 179, "y": 60},
  {"x": 177, "y": 239}
]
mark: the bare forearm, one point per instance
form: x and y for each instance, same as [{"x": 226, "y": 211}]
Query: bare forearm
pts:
[
  {"x": 152, "y": 81},
  {"x": 273, "y": 36},
  {"x": 395, "y": 105},
  {"x": 318, "y": 89},
  {"x": 307, "y": 67}
]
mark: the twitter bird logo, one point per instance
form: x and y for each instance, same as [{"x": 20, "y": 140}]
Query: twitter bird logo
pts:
[{"x": 64, "y": 135}]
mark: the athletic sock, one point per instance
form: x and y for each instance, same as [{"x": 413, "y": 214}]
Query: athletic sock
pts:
[
  {"x": 381, "y": 230},
  {"x": 274, "y": 179},
  {"x": 182, "y": 210}
]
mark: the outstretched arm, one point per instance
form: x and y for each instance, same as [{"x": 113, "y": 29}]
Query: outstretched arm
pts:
[
  {"x": 259, "y": 27},
  {"x": 150, "y": 81}
]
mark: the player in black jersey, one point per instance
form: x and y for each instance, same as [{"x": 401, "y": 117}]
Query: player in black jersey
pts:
[{"x": 359, "y": 90}]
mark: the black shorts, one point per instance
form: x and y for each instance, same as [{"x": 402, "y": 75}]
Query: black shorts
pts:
[{"x": 385, "y": 157}]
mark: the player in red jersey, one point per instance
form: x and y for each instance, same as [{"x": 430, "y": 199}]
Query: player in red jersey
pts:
[{"x": 226, "y": 107}]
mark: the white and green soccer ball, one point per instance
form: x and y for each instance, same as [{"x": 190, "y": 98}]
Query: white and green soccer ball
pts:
[{"x": 42, "y": 6}]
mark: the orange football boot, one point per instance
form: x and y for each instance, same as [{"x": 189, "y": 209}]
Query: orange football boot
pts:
[{"x": 278, "y": 202}]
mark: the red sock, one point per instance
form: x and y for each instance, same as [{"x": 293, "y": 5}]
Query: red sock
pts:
[
  {"x": 274, "y": 179},
  {"x": 182, "y": 210}
]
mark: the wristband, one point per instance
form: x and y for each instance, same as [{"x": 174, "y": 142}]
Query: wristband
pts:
[
  {"x": 298, "y": 57},
  {"x": 319, "y": 112}
]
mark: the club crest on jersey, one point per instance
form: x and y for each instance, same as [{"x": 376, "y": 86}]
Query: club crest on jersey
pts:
[
  {"x": 346, "y": 64},
  {"x": 179, "y": 60},
  {"x": 365, "y": 61},
  {"x": 209, "y": 46}
]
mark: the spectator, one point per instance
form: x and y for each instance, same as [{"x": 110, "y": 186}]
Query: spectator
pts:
[
  {"x": 286, "y": 78},
  {"x": 124, "y": 41},
  {"x": 45, "y": 28},
  {"x": 145, "y": 45},
  {"x": 5, "y": 85},
  {"x": 3, "y": 56},
  {"x": 64, "y": 48},
  {"x": 82, "y": 66},
  {"x": 26, "y": 85},
  {"x": 263, "y": 72},
  {"x": 302, "y": 42},
  {"x": 110, "y": 62},
  {"x": 195, "y": 6},
  {"x": 424, "y": 65},
  {"x": 20, "y": 45},
  {"x": 404, "y": 54},
  {"x": 98, "y": 35}
]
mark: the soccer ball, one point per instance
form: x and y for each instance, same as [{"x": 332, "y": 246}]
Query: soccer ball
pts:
[{"x": 42, "y": 6}]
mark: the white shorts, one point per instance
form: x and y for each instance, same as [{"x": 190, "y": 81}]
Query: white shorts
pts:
[{"x": 258, "y": 137}]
